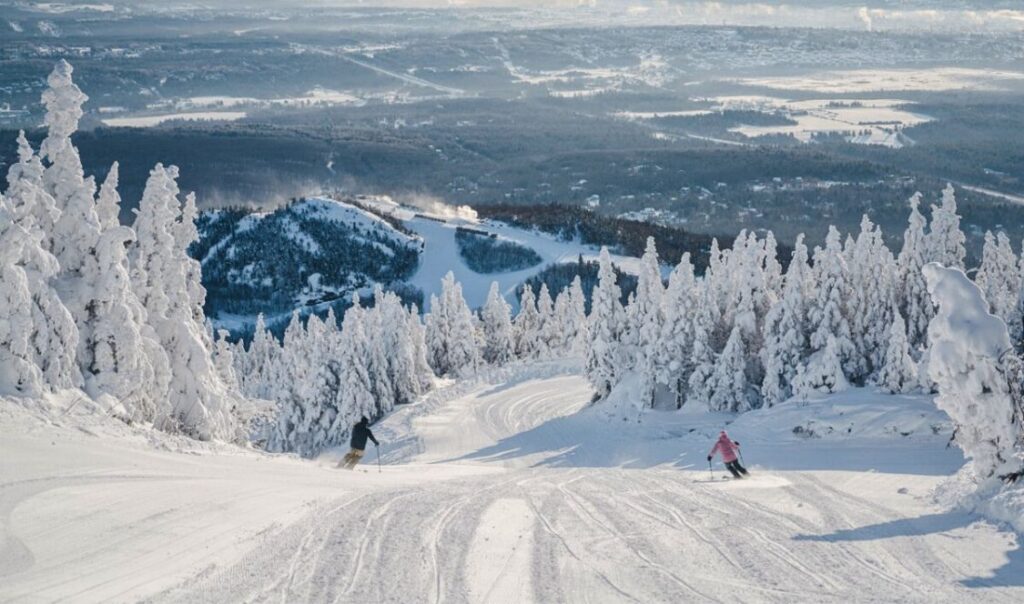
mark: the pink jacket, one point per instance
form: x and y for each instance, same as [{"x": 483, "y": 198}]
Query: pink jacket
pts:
[{"x": 726, "y": 447}]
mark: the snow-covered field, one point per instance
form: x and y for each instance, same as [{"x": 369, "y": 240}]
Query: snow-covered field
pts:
[
  {"x": 148, "y": 121},
  {"x": 501, "y": 489}
]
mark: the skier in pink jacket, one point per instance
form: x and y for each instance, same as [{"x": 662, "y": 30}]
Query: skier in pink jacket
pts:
[{"x": 728, "y": 448}]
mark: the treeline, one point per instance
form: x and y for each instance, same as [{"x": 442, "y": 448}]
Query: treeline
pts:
[{"x": 628, "y": 237}]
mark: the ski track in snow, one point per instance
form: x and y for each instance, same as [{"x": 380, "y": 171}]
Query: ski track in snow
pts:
[{"x": 480, "y": 511}]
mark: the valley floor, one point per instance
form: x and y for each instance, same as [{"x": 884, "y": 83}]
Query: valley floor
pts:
[{"x": 506, "y": 490}]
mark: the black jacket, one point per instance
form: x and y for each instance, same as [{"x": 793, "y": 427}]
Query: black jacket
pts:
[{"x": 359, "y": 435}]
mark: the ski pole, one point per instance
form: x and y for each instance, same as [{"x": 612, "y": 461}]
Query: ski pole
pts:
[
  {"x": 378, "y": 458},
  {"x": 711, "y": 471}
]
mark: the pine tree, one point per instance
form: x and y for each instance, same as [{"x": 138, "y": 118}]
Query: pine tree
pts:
[
  {"x": 675, "y": 345},
  {"x": 224, "y": 360},
  {"x": 645, "y": 319},
  {"x": 527, "y": 326},
  {"x": 828, "y": 313},
  {"x": 899, "y": 373},
  {"x": 946, "y": 240},
  {"x": 703, "y": 358},
  {"x": 548, "y": 329},
  {"x": 606, "y": 324},
  {"x": 999, "y": 277},
  {"x": 577, "y": 325},
  {"x": 54, "y": 336},
  {"x": 496, "y": 316},
  {"x": 914, "y": 304},
  {"x": 823, "y": 372},
  {"x": 162, "y": 275},
  {"x": 786, "y": 330},
  {"x": 417, "y": 336},
  {"x": 728, "y": 385},
  {"x": 108, "y": 202},
  {"x": 872, "y": 273},
  {"x": 19, "y": 374},
  {"x": 451, "y": 331}
]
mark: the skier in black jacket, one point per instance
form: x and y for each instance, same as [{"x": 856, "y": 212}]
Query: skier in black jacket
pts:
[{"x": 360, "y": 432}]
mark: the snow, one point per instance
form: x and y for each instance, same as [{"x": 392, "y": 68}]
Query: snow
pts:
[
  {"x": 872, "y": 80},
  {"x": 503, "y": 488},
  {"x": 441, "y": 254},
  {"x": 148, "y": 121}
]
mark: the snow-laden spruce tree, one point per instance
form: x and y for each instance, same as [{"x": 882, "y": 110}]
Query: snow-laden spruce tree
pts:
[
  {"x": 973, "y": 362},
  {"x": 945, "y": 238},
  {"x": 78, "y": 226},
  {"x": 417, "y": 338},
  {"x": 355, "y": 389},
  {"x": 728, "y": 387},
  {"x": 451, "y": 331},
  {"x": 607, "y": 321},
  {"x": 999, "y": 278},
  {"x": 163, "y": 277},
  {"x": 913, "y": 301},
  {"x": 898, "y": 374},
  {"x": 399, "y": 349},
  {"x": 547, "y": 326},
  {"x": 19, "y": 374},
  {"x": 576, "y": 323},
  {"x": 377, "y": 356},
  {"x": 822, "y": 373},
  {"x": 773, "y": 278},
  {"x": 224, "y": 359},
  {"x": 827, "y": 313},
  {"x": 527, "y": 326},
  {"x": 54, "y": 336},
  {"x": 870, "y": 306},
  {"x": 646, "y": 318},
  {"x": 119, "y": 352},
  {"x": 31, "y": 206},
  {"x": 258, "y": 367},
  {"x": 108, "y": 201},
  {"x": 675, "y": 344},
  {"x": 496, "y": 319},
  {"x": 786, "y": 329},
  {"x": 703, "y": 357}
]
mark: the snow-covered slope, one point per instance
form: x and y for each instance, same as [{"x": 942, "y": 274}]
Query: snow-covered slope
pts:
[
  {"x": 291, "y": 258},
  {"x": 502, "y": 489}
]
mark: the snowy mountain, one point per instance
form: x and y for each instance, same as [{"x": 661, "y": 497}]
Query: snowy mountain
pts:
[{"x": 315, "y": 252}]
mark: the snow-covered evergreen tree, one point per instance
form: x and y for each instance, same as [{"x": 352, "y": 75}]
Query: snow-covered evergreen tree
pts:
[
  {"x": 108, "y": 202},
  {"x": 527, "y": 326},
  {"x": 970, "y": 357},
  {"x": 19, "y": 374},
  {"x": 496, "y": 318},
  {"x": 703, "y": 358},
  {"x": 872, "y": 275},
  {"x": 786, "y": 330},
  {"x": 645, "y": 321},
  {"x": 999, "y": 277},
  {"x": 603, "y": 364},
  {"x": 899, "y": 372},
  {"x": 945, "y": 238},
  {"x": 822, "y": 373},
  {"x": 417, "y": 337},
  {"x": 201, "y": 405},
  {"x": 675, "y": 345},
  {"x": 224, "y": 360},
  {"x": 913, "y": 301},
  {"x": 728, "y": 388},
  {"x": 451, "y": 331},
  {"x": 576, "y": 324},
  {"x": 54, "y": 336},
  {"x": 827, "y": 314}
]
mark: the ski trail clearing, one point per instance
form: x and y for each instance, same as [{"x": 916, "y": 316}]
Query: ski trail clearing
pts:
[{"x": 516, "y": 492}]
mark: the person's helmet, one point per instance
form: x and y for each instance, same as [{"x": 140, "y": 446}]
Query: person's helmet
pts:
[{"x": 363, "y": 420}]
